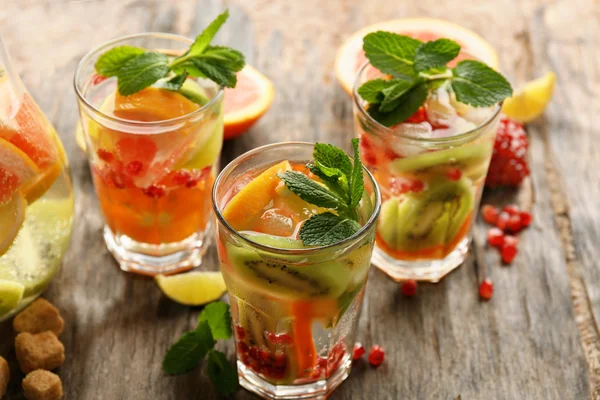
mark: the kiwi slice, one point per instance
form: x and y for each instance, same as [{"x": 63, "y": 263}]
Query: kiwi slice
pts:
[
  {"x": 281, "y": 276},
  {"x": 421, "y": 221},
  {"x": 464, "y": 157}
]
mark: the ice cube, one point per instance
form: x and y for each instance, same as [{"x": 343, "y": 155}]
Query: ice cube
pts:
[
  {"x": 440, "y": 111},
  {"x": 459, "y": 125},
  {"x": 406, "y": 147},
  {"x": 478, "y": 115}
]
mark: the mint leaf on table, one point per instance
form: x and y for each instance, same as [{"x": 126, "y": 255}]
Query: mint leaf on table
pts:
[
  {"x": 207, "y": 35},
  {"x": 110, "y": 63},
  {"x": 477, "y": 84},
  {"x": 435, "y": 54},
  {"x": 409, "y": 104},
  {"x": 222, "y": 373},
  {"x": 141, "y": 72},
  {"x": 327, "y": 228},
  {"x": 218, "y": 318},
  {"x": 371, "y": 91},
  {"x": 189, "y": 350},
  {"x": 309, "y": 190},
  {"x": 357, "y": 183},
  {"x": 391, "y": 53}
]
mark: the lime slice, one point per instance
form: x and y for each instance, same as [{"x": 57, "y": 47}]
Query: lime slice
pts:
[
  {"x": 11, "y": 294},
  {"x": 530, "y": 102},
  {"x": 208, "y": 151},
  {"x": 193, "y": 288}
]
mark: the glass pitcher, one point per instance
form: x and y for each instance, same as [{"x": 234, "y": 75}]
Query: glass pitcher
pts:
[{"x": 36, "y": 195}]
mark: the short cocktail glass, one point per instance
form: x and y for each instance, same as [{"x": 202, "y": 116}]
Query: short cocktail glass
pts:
[
  {"x": 36, "y": 195},
  {"x": 431, "y": 171},
  {"x": 153, "y": 157},
  {"x": 294, "y": 308}
]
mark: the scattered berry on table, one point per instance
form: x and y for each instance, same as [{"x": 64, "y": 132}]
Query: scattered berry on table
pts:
[
  {"x": 502, "y": 221},
  {"x": 514, "y": 223},
  {"x": 510, "y": 240},
  {"x": 376, "y": 356},
  {"x": 486, "y": 289},
  {"x": 509, "y": 158},
  {"x": 509, "y": 250},
  {"x": 490, "y": 214},
  {"x": 495, "y": 237},
  {"x": 526, "y": 218},
  {"x": 512, "y": 209},
  {"x": 358, "y": 351},
  {"x": 409, "y": 287}
]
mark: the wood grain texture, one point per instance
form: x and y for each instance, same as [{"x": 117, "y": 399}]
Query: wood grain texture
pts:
[{"x": 445, "y": 343}]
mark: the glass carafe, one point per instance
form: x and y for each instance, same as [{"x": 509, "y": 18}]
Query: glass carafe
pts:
[{"x": 36, "y": 195}]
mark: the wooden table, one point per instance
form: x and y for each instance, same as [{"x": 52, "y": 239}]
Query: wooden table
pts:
[{"x": 537, "y": 339}]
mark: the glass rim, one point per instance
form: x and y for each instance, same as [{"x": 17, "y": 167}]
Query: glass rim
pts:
[
  {"x": 282, "y": 251},
  {"x": 162, "y": 35},
  {"x": 448, "y": 139}
]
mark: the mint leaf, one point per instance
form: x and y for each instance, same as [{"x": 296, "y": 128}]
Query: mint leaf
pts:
[
  {"x": 207, "y": 35},
  {"x": 110, "y": 63},
  {"x": 435, "y": 54},
  {"x": 370, "y": 91},
  {"x": 309, "y": 190},
  {"x": 392, "y": 95},
  {"x": 224, "y": 56},
  {"x": 408, "y": 104},
  {"x": 189, "y": 350},
  {"x": 329, "y": 156},
  {"x": 357, "y": 183},
  {"x": 222, "y": 373},
  {"x": 334, "y": 183},
  {"x": 326, "y": 229},
  {"x": 218, "y": 318},
  {"x": 174, "y": 84},
  {"x": 391, "y": 53},
  {"x": 477, "y": 84},
  {"x": 142, "y": 71}
]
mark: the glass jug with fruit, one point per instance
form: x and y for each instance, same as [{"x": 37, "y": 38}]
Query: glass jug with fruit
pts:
[{"x": 36, "y": 195}]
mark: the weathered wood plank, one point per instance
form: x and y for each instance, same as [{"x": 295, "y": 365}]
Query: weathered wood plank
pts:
[{"x": 441, "y": 344}]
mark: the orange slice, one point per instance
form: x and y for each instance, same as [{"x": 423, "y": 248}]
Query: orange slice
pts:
[
  {"x": 16, "y": 170},
  {"x": 247, "y": 102},
  {"x": 250, "y": 202},
  {"x": 350, "y": 56},
  {"x": 152, "y": 104},
  {"x": 12, "y": 216}
]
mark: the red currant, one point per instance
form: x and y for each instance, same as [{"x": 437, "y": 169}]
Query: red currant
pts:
[
  {"x": 376, "y": 356},
  {"x": 133, "y": 168},
  {"x": 509, "y": 250},
  {"x": 526, "y": 218},
  {"x": 495, "y": 237},
  {"x": 512, "y": 209},
  {"x": 105, "y": 155},
  {"x": 502, "y": 221},
  {"x": 358, "y": 351},
  {"x": 514, "y": 223},
  {"x": 409, "y": 287},
  {"x": 453, "y": 174},
  {"x": 486, "y": 289},
  {"x": 490, "y": 213}
]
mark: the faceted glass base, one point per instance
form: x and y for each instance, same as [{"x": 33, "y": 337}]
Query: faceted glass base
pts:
[
  {"x": 149, "y": 259},
  {"x": 426, "y": 270},
  {"x": 320, "y": 389}
]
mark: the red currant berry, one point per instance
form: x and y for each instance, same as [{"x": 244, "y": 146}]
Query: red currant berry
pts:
[
  {"x": 495, "y": 237},
  {"x": 514, "y": 223},
  {"x": 453, "y": 174},
  {"x": 133, "y": 168},
  {"x": 526, "y": 218},
  {"x": 490, "y": 214},
  {"x": 105, "y": 155},
  {"x": 376, "y": 356},
  {"x": 486, "y": 289},
  {"x": 409, "y": 287},
  {"x": 510, "y": 240},
  {"x": 358, "y": 351},
  {"x": 508, "y": 252},
  {"x": 502, "y": 221},
  {"x": 512, "y": 209}
]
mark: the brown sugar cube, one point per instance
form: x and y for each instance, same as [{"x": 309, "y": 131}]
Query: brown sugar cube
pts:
[
  {"x": 4, "y": 376},
  {"x": 39, "y": 351},
  {"x": 39, "y": 316},
  {"x": 42, "y": 385}
]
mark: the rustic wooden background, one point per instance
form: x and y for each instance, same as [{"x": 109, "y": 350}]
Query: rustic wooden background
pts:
[{"x": 537, "y": 339}]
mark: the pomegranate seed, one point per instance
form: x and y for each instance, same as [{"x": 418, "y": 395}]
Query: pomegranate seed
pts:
[
  {"x": 486, "y": 289},
  {"x": 253, "y": 353},
  {"x": 509, "y": 249},
  {"x": 182, "y": 177},
  {"x": 490, "y": 214},
  {"x": 453, "y": 174},
  {"x": 154, "y": 191},
  {"x": 358, "y": 351},
  {"x": 376, "y": 356},
  {"x": 191, "y": 184},
  {"x": 365, "y": 142},
  {"x": 417, "y": 186},
  {"x": 495, "y": 237},
  {"x": 282, "y": 338},
  {"x": 264, "y": 356},
  {"x": 526, "y": 218},
  {"x": 512, "y": 209},
  {"x": 514, "y": 223},
  {"x": 105, "y": 155},
  {"x": 369, "y": 158},
  {"x": 409, "y": 287},
  {"x": 133, "y": 168},
  {"x": 240, "y": 332},
  {"x": 390, "y": 154},
  {"x": 322, "y": 362},
  {"x": 503, "y": 219},
  {"x": 243, "y": 348},
  {"x": 280, "y": 360}
]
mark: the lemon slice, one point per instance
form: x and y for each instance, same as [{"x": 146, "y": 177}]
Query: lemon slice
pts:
[
  {"x": 11, "y": 294},
  {"x": 12, "y": 216},
  {"x": 530, "y": 102},
  {"x": 193, "y": 288}
]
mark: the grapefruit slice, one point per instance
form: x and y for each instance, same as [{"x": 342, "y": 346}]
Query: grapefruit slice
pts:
[
  {"x": 16, "y": 169},
  {"x": 250, "y": 202},
  {"x": 350, "y": 56},
  {"x": 247, "y": 102}
]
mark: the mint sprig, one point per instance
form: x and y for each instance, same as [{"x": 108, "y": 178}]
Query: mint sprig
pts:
[
  {"x": 214, "y": 322},
  {"x": 415, "y": 68},
  {"x": 137, "y": 68},
  {"x": 341, "y": 191}
]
